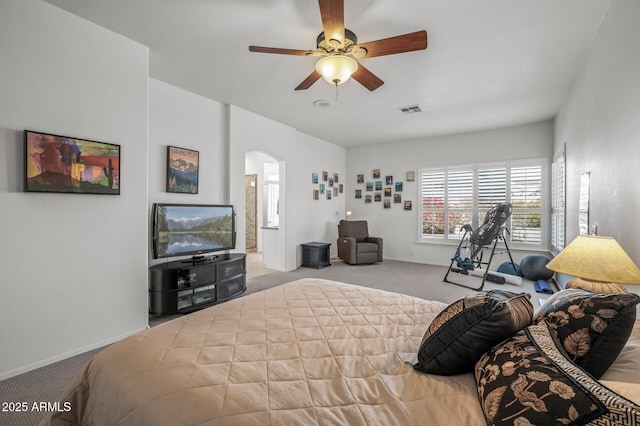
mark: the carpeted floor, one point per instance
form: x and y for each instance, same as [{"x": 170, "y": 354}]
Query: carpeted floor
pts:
[{"x": 424, "y": 281}]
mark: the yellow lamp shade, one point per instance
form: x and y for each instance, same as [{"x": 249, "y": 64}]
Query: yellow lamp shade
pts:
[{"x": 596, "y": 258}]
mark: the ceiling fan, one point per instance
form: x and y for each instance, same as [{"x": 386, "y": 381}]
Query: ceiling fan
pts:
[{"x": 339, "y": 46}]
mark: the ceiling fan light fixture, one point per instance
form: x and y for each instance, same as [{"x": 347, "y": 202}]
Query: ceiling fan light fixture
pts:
[{"x": 336, "y": 69}]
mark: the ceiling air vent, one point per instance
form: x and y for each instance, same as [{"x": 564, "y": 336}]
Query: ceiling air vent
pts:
[{"x": 411, "y": 109}]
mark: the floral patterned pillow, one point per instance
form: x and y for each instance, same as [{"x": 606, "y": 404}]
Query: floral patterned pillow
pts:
[
  {"x": 528, "y": 380},
  {"x": 459, "y": 335},
  {"x": 592, "y": 327}
]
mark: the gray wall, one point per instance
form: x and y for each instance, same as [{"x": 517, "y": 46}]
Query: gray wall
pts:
[
  {"x": 74, "y": 267},
  {"x": 600, "y": 125}
]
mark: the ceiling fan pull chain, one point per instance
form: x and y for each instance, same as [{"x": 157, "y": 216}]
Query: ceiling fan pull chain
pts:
[{"x": 336, "y": 82}]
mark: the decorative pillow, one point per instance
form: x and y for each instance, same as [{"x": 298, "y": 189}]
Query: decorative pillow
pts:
[
  {"x": 592, "y": 327},
  {"x": 466, "y": 329},
  {"x": 528, "y": 380}
]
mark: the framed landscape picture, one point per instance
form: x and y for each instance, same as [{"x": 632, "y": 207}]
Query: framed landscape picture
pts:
[
  {"x": 64, "y": 164},
  {"x": 182, "y": 170}
]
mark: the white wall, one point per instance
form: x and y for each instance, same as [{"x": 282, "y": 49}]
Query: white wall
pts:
[
  {"x": 74, "y": 267},
  {"x": 301, "y": 218},
  {"x": 600, "y": 124},
  {"x": 398, "y": 227},
  {"x": 186, "y": 120},
  {"x": 315, "y": 220}
]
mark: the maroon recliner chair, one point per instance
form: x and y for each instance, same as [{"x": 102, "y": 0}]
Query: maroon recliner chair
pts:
[{"x": 355, "y": 246}]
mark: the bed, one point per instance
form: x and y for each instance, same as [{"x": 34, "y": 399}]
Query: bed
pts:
[{"x": 311, "y": 351}]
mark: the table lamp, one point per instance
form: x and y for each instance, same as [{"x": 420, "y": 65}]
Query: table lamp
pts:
[{"x": 598, "y": 263}]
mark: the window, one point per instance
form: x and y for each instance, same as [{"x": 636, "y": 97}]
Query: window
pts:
[
  {"x": 557, "y": 202},
  {"x": 455, "y": 196}
]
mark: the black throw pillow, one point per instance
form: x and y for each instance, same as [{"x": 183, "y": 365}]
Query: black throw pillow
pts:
[
  {"x": 469, "y": 327},
  {"x": 592, "y": 327}
]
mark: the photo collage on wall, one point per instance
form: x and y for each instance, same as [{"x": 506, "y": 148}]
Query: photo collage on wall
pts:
[
  {"x": 383, "y": 190},
  {"x": 326, "y": 186}
]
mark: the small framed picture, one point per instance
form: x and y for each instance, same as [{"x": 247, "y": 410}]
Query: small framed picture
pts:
[
  {"x": 367, "y": 199},
  {"x": 341, "y": 188},
  {"x": 335, "y": 192},
  {"x": 325, "y": 176},
  {"x": 358, "y": 193},
  {"x": 387, "y": 204},
  {"x": 376, "y": 173},
  {"x": 335, "y": 177},
  {"x": 360, "y": 179},
  {"x": 182, "y": 170},
  {"x": 322, "y": 188},
  {"x": 316, "y": 194},
  {"x": 397, "y": 198},
  {"x": 378, "y": 185},
  {"x": 377, "y": 196},
  {"x": 407, "y": 205},
  {"x": 389, "y": 180},
  {"x": 398, "y": 186},
  {"x": 314, "y": 178},
  {"x": 329, "y": 192},
  {"x": 330, "y": 182},
  {"x": 369, "y": 186},
  {"x": 411, "y": 176},
  {"x": 387, "y": 192}
]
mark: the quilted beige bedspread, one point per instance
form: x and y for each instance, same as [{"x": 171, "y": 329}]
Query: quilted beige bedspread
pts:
[{"x": 308, "y": 352}]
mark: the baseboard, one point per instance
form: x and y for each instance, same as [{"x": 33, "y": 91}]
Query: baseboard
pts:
[{"x": 78, "y": 351}]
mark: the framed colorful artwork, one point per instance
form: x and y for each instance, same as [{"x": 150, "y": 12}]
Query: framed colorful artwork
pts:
[
  {"x": 182, "y": 170},
  {"x": 64, "y": 164}
]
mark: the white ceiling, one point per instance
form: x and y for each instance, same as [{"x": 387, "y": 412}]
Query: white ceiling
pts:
[{"x": 490, "y": 63}]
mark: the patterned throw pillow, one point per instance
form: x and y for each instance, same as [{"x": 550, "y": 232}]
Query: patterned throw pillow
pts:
[
  {"x": 528, "y": 380},
  {"x": 469, "y": 327},
  {"x": 592, "y": 327}
]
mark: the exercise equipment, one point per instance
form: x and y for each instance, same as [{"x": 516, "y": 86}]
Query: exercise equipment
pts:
[
  {"x": 508, "y": 278},
  {"x": 510, "y": 268},
  {"x": 534, "y": 268},
  {"x": 542, "y": 286},
  {"x": 469, "y": 253}
]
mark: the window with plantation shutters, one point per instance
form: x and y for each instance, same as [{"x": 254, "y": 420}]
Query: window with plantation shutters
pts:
[
  {"x": 432, "y": 216},
  {"x": 453, "y": 197},
  {"x": 526, "y": 199},
  {"x": 557, "y": 202},
  {"x": 492, "y": 189},
  {"x": 459, "y": 200}
]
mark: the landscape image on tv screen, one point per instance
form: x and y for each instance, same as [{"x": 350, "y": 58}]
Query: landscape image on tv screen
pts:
[{"x": 192, "y": 229}]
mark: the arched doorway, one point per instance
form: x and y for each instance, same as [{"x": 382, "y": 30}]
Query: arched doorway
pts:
[{"x": 263, "y": 204}]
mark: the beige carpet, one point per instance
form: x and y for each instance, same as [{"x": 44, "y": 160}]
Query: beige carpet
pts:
[{"x": 425, "y": 281}]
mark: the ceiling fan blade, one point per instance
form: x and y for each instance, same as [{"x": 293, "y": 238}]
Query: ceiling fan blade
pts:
[
  {"x": 308, "y": 82},
  {"x": 332, "y": 13},
  {"x": 367, "y": 78},
  {"x": 398, "y": 44},
  {"x": 280, "y": 51}
]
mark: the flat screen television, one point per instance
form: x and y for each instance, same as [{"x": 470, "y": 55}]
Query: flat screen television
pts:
[{"x": 192, "y": 230}]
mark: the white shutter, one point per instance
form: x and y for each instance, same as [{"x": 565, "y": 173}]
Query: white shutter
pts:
[
  {"x": 459, "y": 200},
  {"x": 526, "y": 199},
  {"x": 432, "y": 206},
  {"x": 492, "y": 189},
  {"x": 558, "y": 186}
]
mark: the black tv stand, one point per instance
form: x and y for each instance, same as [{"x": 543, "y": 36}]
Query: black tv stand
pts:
[{"x": 186, "y": 286}]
